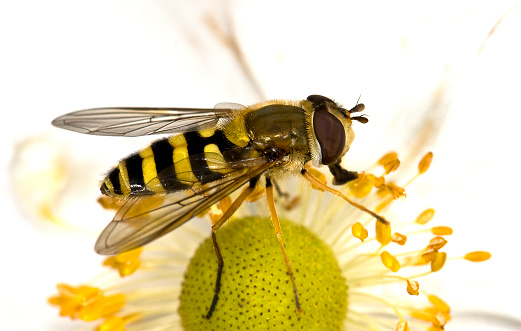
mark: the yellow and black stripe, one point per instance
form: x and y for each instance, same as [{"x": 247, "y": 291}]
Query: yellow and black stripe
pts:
[{"x": 169, "y": 164}]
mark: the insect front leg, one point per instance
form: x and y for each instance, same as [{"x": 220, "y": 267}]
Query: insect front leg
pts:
[
  {"x": 278, "y": 232},
  {"x": 313, "y": 180},
  {"x": 220, "y": 263}
]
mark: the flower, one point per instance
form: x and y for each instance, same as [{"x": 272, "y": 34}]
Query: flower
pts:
[{"x": 348, "y": 275}]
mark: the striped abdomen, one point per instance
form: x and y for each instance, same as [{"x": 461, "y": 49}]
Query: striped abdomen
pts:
[{"x": 170, "y": 164}]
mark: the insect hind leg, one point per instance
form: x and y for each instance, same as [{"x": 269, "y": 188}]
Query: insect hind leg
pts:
[{"x": 220, "y": 263}]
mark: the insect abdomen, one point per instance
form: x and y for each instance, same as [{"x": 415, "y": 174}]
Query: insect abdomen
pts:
[{"x": 169, "y": 165}]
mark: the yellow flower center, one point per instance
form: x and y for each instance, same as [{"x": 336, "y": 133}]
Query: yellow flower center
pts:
[{"x": 256, "y": 292}]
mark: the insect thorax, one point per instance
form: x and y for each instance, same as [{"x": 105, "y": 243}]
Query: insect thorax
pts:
[{"x": 278, "y": 126}]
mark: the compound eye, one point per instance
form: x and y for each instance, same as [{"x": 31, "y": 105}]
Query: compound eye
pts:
[{"x": 331, "y": 136}]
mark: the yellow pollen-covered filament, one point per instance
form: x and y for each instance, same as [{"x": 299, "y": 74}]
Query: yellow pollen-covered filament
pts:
[
  {"x": 425, "y": 216},
  {"x": 399, "y": 238},
  {"x": 427, "y": 255},
  {"x": 361, "y": 186},
  {"x": 384, "y": 204},
  {"x": 149, "y": 171},
  {"x": 437, "y": 243},
  {"x": 183, "y": 168},
  {"x": 442, "y": 230},
  {"x": 402, "y": 326},
  {"x": 102, "y": 306},
  {"x": 395, "y": 190},
  {"x": 425, "y": 163},
  {"x": 438, "y": 261},
  {"x": 438, "y": 314},
  {"x": 124, "y": 182},
  {"x": 377, "y": 182},
  {"x": 439, "y": 321},
  {"x": 477, "y": 256},
  {"x": 390, "y": 261},
  {"x": 126, "y": 263},
  {"x": 359, "y": 231},
  {"x": 256, "y": 194},
  {"x": 391, "y": 166},
  {"x": 225, "y": 203},
  {"x": 318, "y": 175},
  {"x": 216, "y": 211},
  {"x": 389, "y": 157},
  {"x": 439, "y": 303},
  {"x": 383, "y": 233},
  {"x": 413, "y": 287},
  {"x": 424, "y": 315},
  {"x": 85, "y": 302},
  {"x": 112, "y": 323}
]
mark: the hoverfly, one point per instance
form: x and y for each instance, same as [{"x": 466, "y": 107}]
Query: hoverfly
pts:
[{"x": 212, "y": 153}]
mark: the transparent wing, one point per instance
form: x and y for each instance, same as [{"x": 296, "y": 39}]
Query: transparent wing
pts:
[
  {"x": 133, "y": 122},
  {"x": 143, "y": 219},
  {"x": 229, "y": 105}
]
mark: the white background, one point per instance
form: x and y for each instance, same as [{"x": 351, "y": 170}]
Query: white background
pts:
[{"x": 430, "y": 73}]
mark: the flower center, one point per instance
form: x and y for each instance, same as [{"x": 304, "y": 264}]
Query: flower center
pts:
[{"x": 256, "y": 292}]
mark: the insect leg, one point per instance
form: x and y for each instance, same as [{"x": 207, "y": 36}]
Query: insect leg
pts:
[
  {"x": 318, "y": 183},
  {"x": 280, "y": 192},
  {"x": 278, "y": 232},
  {"x": 229, "y": 212}
]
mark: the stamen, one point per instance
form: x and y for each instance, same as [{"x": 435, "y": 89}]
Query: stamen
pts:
[
  {"x": 361, "y": 186},
  {"x": 437, "y": 243},
  {"x": 477, "y": 256},
  {"x": 110, "y": 203},
  {"x": 225, "y": 203},
  {"x": 438, "y": 261},
  {"x": 390, "y": 261},
  {"x": 126, "y": 263},
  {"x": 112, "y": 323},
  {"x": 85, "y": 302},
  {"x": 395, "y": 190},
  {"x": 425, "y": 163},
  {"x": 425, "y": 216},
  {"x": 391, "y": 166},
  {"x": 439, "y": 321},
  {"x": 439, "y": 304},
  {"x": 257, "y": 193},
  {"x": 359, "y": 231},
  {"x": 101, "y": 307},
  {"x": 423, "y": 166},
  {"x": 377, "y": 182},
  {"x": 389, "y": 157},
  {"x": 442, "y": 230},
  {"x": 402, "y": 326},
  {"x": 426, "y": 256},
  {"x": 216, "y": 211},
  {"x": 383, "y": 233},
  {"x": 319, "y": 176},
  {"x": 398, "y": 238},
  {"x": 413, "y": 287},
  {"x": 383, "y": 204}
]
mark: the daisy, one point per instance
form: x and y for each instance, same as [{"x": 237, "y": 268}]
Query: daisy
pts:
[{"x": 351, "y": 272}]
